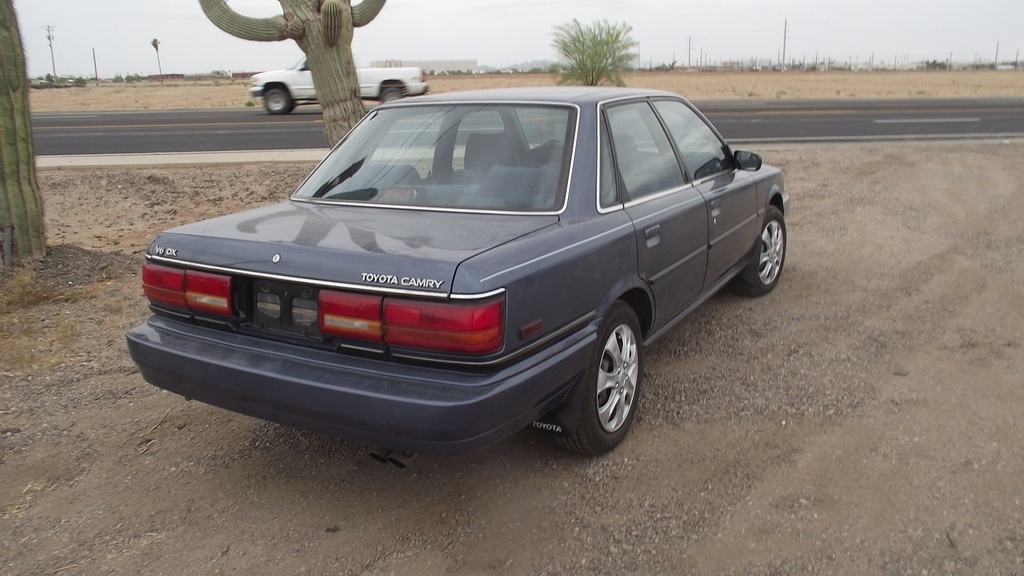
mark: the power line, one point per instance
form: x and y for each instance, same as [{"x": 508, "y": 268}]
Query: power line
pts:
[
  {"x": 49, "y": 38},
  {"x": 785, "y": 37}
]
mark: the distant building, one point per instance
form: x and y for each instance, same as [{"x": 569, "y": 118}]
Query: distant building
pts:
[
  {"x": 162, "y": 77},
  {"x": 431, "y": 66}
]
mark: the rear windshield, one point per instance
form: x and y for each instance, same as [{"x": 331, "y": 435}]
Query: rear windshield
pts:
[{"x": 499, "y": 157}]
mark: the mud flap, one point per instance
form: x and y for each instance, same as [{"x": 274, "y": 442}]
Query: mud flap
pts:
[{"x": 562, "y": 421}]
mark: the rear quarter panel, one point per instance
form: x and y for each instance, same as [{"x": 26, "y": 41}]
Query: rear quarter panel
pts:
[{"x": 562, "y": 276}]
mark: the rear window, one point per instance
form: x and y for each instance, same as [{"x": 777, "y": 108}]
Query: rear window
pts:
[{"x": 471, "y": 157}]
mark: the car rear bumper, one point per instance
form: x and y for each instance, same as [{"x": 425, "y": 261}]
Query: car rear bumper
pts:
[{"x": 411, "y": 408}]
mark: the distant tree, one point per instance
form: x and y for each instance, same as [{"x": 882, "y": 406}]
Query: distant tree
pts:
[
  {"x": 594, "y": 55},
  {"x": 323, "y": 29},
  {"x": 21, "y": 207},
  {"x": 156, "y": 46}
]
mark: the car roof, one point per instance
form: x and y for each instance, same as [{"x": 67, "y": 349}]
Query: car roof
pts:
[{"x": 579, "y": 95}]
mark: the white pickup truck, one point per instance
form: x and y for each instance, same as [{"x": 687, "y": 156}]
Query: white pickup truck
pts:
[{"x": 283, "y": 90}]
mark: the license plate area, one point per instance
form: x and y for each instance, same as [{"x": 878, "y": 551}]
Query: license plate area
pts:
[{"x": 285, "y": 308}]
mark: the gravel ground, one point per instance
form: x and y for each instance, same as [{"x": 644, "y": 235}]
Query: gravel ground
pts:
[{"x": 864, "y": 418}]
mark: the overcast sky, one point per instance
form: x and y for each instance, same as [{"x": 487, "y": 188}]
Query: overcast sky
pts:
[{"x": 503, "y": 32}]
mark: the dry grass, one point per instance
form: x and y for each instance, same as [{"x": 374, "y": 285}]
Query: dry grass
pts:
[
  {"x": 23, "y": 290},
  {"x": 693, "y": 85}
]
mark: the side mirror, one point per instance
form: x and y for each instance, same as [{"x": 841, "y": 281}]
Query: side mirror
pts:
[{"x": 748, "y": 160}]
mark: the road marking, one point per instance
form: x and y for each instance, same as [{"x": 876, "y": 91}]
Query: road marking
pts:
[
  {"x": 925, "y": 120},
  {"x": 877, "y": 138}
]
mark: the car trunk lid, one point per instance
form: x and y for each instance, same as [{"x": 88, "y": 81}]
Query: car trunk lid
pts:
[{"x": 362, "y": 248}]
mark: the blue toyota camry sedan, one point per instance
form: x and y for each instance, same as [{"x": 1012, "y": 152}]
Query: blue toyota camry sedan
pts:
[{"x": 462, "y": 266}]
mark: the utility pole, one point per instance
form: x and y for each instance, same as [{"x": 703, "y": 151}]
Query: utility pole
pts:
[
  {"x": 95, "y": 68},
  {"x": 689, "y": 49},
  {"x": 785, "y": 36},
  {"x": 49, "y": 38},
  {"x": 997, "y": 53}
]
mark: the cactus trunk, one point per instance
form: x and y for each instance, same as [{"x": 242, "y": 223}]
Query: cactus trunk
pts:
[
  {"x": 20, "y": 204},
  {"x": 324, "y": 32},
  {"x": 333, "y": 69}
]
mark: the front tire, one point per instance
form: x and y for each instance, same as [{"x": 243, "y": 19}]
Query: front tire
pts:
[
  {"x": 278, "y": 101},
  {"x": 764, "y": 268},
  {"x": 611, "y": 389}
]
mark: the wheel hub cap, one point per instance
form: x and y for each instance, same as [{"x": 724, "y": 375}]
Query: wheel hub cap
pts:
[
  {"x": 772, "y": 251},
  {"x": 617, "y": 376}
]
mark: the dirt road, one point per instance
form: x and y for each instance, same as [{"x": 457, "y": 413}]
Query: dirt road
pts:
[{"x": 865, "y": 418}]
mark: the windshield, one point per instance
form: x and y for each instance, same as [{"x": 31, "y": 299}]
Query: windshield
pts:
[{"x": 503, "y": 157}]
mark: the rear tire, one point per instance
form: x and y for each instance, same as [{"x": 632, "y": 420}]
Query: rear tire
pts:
[
  {"x": 391, "y": 93},
  {"x": 764, "y": 268},
  {"x": 611, "y": 389},
  {"x": 278, "y": 101}
]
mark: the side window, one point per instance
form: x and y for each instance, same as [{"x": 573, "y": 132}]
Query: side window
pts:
[
  {"x": 643, "y": 153},
  {"x": 609, "y": 196},
  {"x": 702, "y": 151}
]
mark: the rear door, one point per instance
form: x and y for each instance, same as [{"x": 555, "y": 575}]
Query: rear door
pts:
[
  {"x": 731, "y": 194},
  {"x": 669, "y": 214}
]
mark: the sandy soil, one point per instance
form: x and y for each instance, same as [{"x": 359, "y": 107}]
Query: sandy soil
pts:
[
  {"x": 693, "y": 85},
  {"x": 864, "y": 418}
]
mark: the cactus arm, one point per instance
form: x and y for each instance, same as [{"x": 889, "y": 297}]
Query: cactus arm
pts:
[
  {"x": 245, "y": 27},
  {"x": 364, "y": 12},
  {"x": 331, "y": 21}
]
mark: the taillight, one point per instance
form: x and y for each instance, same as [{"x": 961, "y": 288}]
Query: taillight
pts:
[
  {"x": 350, "y": 315},
  {"x": 191, "y": 289},
  {"x": 164, "y": 285},
  {"x": 206, "y": 292},
  {"x": 469, "y": 327},
  {"x": 466, "y": 327}
]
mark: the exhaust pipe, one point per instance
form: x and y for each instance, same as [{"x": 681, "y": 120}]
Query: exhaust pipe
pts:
[
  {"x": 380, "y": 454},
  {"x": 386, "y": 455},
  {"x": 396, "y": 457},
  {"x": 402, "y": 459}
]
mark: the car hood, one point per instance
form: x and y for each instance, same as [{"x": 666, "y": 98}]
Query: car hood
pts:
[{"x": 372, "y": 247}]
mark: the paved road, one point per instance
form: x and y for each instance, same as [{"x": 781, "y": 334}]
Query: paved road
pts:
[{"x": 212, "y": 130}]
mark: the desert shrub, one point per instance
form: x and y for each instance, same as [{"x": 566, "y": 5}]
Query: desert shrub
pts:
[
  {"x": 596, "y": 54},
  {"x": 22, "y": 289}
]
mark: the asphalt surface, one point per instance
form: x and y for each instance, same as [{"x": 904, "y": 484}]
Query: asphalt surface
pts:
[{"x": 741, "y": 122}]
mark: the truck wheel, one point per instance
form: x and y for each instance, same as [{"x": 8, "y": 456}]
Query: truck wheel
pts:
[
  {"x": 390, "y": 93},
  {"x": 278, "y": 101}
]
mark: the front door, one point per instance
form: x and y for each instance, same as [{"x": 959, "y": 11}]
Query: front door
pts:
[{"x": 731, "y": 194}]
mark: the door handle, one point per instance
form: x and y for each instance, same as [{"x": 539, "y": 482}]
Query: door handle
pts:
[
  {"x": 653, "y": 235},
  {"x": 716, "y": 211}
]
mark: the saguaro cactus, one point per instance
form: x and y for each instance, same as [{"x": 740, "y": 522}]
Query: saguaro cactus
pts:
[
  {"x": 323, "y": 29},
  {"x": 20, "y": 205}
]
